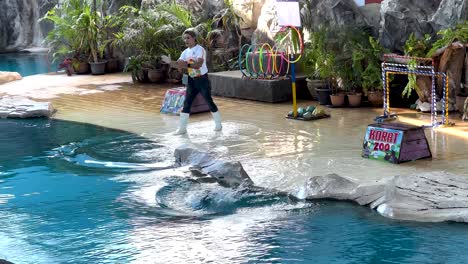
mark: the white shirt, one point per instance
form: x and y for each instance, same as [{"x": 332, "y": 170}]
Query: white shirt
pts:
[{"x": 191, "y": 55}]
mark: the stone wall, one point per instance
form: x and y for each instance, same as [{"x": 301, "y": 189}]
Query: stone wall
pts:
[
  {"x": 20, "y": 28},
  {"x": 393, "y": 20},
  {"x": 400, "y": 18}
]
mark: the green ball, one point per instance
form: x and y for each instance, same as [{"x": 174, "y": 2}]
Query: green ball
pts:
[
  {"x": 300, "y": 111},
  {"x": 307, "y": 115},
  {"x": 310, "y": 108}
]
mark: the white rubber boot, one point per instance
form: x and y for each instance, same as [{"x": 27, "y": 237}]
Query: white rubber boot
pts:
[
  {"x": 183, "y": 121},
  {"x": 217, "y": 119}
]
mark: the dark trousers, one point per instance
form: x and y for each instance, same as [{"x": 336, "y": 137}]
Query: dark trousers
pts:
[{"x": 198, "y": 85}]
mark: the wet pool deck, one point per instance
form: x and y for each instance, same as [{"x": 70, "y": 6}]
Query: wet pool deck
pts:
[{"x": 275, "y": 151}]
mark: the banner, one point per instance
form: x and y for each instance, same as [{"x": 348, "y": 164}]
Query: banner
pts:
[
  {"x": 382, "y": 144},
  {"x": 288, "y": 13},
  {"x": 173, "y": 101}
]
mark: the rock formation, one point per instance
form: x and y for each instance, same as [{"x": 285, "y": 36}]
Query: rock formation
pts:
[
  {"x": 20, "y": 107},
  {"x": 9, "y": 77},
  {"x": 203, "y": 165},
  {"x": 20, "y": 28},
  {"x": 400, "y": 18},
  {"x": 427, "y": 197}
]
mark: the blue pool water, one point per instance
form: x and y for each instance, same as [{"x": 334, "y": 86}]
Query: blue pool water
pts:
[
  {"x": 76, "y": 193},
  {"x": 26, "y": 63}
]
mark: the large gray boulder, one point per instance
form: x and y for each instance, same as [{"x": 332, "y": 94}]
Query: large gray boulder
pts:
[
  {"x": 429, "y": 197},
  {"x": 433, "y": 197},
  {"x": 400, "y": 18},
  {"x": 20, "y": 107},
  {"x": 205, "y": 167},
  {"x": 333, "y": 186},
  {"x": 334, "y": 13}
]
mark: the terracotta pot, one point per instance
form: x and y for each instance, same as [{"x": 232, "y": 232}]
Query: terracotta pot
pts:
[
  {"x": 354, "y": 99},
  {"x": 375, "y": 97},
  {"x": 112, "y": 65},
  {"x": 337, "y": 99},
  {"x": 155, "y": 75},
  {"x": 81, "y": 68}
]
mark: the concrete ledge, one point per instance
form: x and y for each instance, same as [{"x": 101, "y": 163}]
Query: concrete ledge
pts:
[{"x": 231, "y": 84}]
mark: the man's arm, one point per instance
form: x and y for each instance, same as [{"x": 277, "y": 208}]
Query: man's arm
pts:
[{"x": 197, "y": 64}]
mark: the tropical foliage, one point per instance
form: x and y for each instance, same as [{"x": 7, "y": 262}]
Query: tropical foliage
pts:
[
  {"x": 348, "y": 58},
  {"x": 63, "y": 39},
  {"x": 448, "y": 36},
  {"x": 80, "y": 30}
]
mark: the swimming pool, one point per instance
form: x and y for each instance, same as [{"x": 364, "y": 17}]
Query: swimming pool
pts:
[
  {"x": 77, "y": 193},
  {"x": 26, "y": 63}
]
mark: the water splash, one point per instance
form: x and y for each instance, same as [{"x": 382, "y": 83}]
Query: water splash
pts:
[
  {"x": 187, "y": 195},
  {"x": 124, "y": 153}
]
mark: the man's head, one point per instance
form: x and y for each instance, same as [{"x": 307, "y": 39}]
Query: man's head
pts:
[{"x": 190, "y": 37}]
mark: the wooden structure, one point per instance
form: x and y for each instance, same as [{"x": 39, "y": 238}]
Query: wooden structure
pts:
[{"x": 395, "y": 142}]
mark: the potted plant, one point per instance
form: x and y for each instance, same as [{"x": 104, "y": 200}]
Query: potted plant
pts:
[
  {"x": 155, "y": 68},
  {"x": 372, "y": 84},
  {"x": 355, "y": 50},
  {"x": 350, "y": 82},
  {"x": 134, "y": 65},
  {"x": 321, "y": 61},
  {"x": 366, "y": 59},
  {"x": 173, "y": 73},
  {"x": 415, "y": 47},
  {"x": 451, "y": 46},
  {"x": 80, "y": 63},
  {"x": 89, "y": 24},
  {"x": 310, "y": 68},
  {"x": 63, "y": 41}
]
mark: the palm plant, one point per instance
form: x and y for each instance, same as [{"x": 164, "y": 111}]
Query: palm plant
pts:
[
  {"x": 366, "y": 59},
  {"x": 322, "y": 55},
  {"x": 89, "y": 26},
  {"x": 63, "y": 40}
]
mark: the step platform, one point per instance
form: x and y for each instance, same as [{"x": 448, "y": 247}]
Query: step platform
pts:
[
  {"x": 233, "y": 84},
  {"x": 174, "y": 102},
  {"x": 395, "y": 143}
]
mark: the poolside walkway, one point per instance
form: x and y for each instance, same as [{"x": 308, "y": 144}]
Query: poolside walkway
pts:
[{"x": 276, "y": 152}]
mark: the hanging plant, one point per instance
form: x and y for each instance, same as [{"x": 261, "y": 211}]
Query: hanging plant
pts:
[{"x": 415, "y": 48}]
